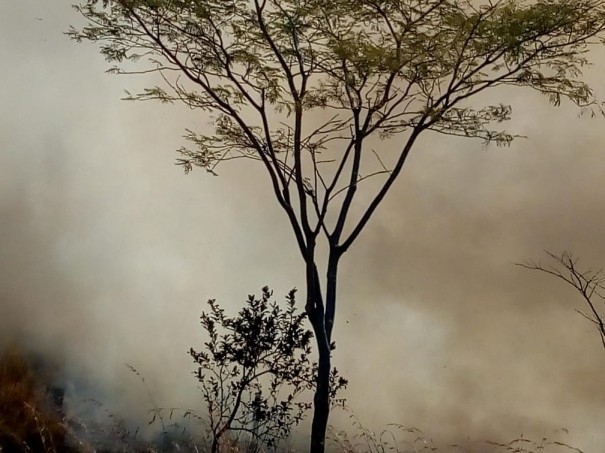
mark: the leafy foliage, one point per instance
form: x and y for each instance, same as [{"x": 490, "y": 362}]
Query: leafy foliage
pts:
[
  {"x": 363, "y": 69},
  {"x": 404, "y": 63},
  {"x": 254, "y": 368}
]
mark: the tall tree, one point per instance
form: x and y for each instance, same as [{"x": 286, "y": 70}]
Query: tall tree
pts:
[{"x": 307, "y": 88}]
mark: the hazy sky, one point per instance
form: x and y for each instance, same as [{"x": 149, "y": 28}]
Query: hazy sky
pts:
[{"x": 108, "y": 252}]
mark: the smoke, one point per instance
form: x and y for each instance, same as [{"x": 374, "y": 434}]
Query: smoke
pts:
[
  {"x": 496, "y": 350},
  {"x": 108, "y": 254}
]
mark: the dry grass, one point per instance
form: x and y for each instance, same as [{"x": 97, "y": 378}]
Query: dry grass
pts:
[
  {"x": 29, "y": 418},
  {"x": 32, "y": 421},
  {"x": 396, "y": 438}
]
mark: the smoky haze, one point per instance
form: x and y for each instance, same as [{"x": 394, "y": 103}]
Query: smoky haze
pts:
[{"x": 108, "y": 253}]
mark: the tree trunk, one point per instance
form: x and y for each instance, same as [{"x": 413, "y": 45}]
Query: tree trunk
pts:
[
  {"x": 215, "y": 443},
  {"x": 331, "y": 277},
  {"x": 322, "y": 319},
  {"x": 321, "y": 401}
]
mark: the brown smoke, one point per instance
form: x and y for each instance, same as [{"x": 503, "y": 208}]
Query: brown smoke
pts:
[{"x": 107, "y": 253}]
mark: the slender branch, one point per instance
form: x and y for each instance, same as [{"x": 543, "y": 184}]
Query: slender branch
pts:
[
  {"x": 387, "y": 185},
  {"x": 245, "y": 127},
  {"x": 587, "y": 283}
]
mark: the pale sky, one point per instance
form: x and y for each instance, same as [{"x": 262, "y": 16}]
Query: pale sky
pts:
[{"x": 108, "y": 252}]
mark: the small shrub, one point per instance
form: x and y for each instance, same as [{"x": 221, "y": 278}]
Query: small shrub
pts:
[{"x": 254, "y": 368}]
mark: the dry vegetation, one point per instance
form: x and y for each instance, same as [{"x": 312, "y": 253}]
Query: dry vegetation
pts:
[{"x": 32, "y": 419}]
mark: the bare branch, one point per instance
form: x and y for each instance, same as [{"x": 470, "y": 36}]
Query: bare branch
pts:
[{"x": 587, "y": 282}]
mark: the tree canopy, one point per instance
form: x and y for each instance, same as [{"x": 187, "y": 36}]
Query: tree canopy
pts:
[{"x": 368, "y": 68}]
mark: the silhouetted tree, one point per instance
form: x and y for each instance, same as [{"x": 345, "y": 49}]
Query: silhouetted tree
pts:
[
  {"x": 254, "y": 367},
  {"x": 308, "y": 88}
]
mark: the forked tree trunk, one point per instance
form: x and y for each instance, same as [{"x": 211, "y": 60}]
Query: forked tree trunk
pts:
[
  {"x": 322, "y": 319},
  {"x": 215, "y": 444}
]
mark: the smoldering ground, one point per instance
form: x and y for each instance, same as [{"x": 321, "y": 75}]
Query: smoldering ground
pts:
[{"x": 108, "y": 253}]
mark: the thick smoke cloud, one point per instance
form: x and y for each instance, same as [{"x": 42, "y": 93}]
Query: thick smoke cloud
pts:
[{"x": 108, "y": 253}]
